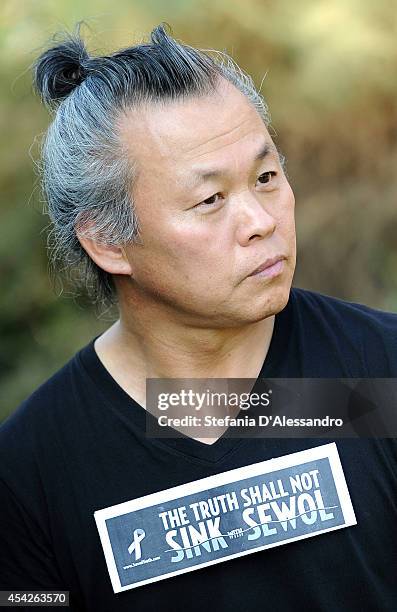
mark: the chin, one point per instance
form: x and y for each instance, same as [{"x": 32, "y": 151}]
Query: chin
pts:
[{"x": 272, "y": 303}]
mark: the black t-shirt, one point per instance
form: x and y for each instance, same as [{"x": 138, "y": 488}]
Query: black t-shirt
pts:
[{"x": 78, "y": 444}]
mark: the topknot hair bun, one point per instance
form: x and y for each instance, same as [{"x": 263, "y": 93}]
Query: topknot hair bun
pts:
[{"x": 60, "y": 69}]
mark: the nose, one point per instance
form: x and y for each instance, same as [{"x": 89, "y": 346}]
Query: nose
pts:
[{"x": 253, "y": 221}]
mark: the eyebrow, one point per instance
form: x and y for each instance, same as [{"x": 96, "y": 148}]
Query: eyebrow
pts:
[{"x": 200, "y": 176}]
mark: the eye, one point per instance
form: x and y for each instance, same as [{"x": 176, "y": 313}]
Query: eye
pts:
[
  {"x": 210, "y": 201},
  {"x": 266, "y": 177}
]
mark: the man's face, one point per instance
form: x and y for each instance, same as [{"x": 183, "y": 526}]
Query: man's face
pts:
[{"x": 213, "y": 205}]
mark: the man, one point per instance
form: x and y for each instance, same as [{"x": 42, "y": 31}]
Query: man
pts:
[{"x": 165, "y": 187}]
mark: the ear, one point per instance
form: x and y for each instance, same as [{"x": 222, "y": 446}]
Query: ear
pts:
[{"x": 110, "y": 258}]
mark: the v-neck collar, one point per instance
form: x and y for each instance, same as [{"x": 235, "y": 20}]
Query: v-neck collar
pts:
[{"x": 182, "y": 445}]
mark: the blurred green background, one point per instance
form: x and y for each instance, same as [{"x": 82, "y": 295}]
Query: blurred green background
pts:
[{"x": 331, "y": 85}]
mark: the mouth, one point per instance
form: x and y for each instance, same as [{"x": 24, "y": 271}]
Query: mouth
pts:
[{"x": 269, "y": 268}]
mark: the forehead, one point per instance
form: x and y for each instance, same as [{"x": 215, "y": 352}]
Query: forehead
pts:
[{"x": 185, "y": 132}]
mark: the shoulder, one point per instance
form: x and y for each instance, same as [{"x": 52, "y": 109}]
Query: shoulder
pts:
[
  {"x": 360, "y": 315},
  {"x": 34, "y": 427},
  {"x": 369, "y": 332},
  {"x": 35, "y": 406}
]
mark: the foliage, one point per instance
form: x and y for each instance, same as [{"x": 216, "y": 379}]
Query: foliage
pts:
[{"x": 327, "y": 70}]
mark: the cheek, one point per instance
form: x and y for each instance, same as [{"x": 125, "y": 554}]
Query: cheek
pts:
[
  {"x": 177, "y": 261},
  {"x": 290, "y": 202},
  {"x": 286, "y": 216},
  {"x": 179, "y": 249},
  {"x": 192, "y": 246},
  {"x": 183, "y": 265}
]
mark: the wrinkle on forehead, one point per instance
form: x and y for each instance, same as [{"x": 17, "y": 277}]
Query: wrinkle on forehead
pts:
[
  {"x": 226, "y": 138},
  {"x": 189, "y": 129}
]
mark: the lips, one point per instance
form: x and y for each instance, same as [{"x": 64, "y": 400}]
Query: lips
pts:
[{"x": 267, "y": 264}]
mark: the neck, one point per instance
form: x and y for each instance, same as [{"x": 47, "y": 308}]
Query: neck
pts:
[
  {"x": 144, "y": 344},
  {"x": 161, "y": 347},
  {"x": 199, "y": 353}
]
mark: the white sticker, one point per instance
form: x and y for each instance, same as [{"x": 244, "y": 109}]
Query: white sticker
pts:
[{"x": 225, "y": 516}]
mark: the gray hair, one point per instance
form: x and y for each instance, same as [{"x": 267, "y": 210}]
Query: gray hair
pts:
[{"x": 86, "y": 175}]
